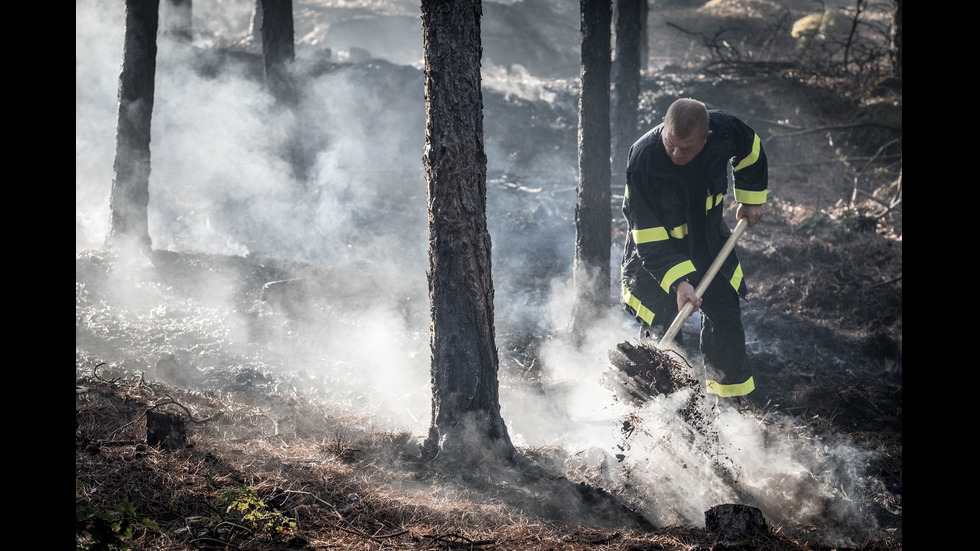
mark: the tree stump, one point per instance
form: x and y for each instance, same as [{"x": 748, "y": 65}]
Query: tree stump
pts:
[
  {"x": 165, "y": 430},
  {"x": 733, "y": 520}
]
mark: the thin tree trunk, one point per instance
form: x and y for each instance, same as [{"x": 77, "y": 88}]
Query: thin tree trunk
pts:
[
  {"x": 897, "y": 39},
  {"x": 644, "y": 36},
  {"x": 626, "y": 78},
  {"x": 593, "y": 213},
  {"x": 278, "y": 53},
  {"x": 466, "y": 422},
  {"x": 130, "y": 195},
  {"x": 278, "y": 49}
]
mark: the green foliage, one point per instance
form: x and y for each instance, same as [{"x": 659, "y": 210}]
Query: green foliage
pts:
[
  {"x": 255, "y": 512},
  {"x": 240, "y": 508},
  {"x": 107, "y": 530}
]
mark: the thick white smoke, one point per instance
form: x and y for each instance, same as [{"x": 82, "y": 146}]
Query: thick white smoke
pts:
[{"x": 220, "y": 185}]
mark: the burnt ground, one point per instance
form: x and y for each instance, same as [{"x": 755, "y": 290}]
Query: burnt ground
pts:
[
  {"x": 825, "y": 371},
  {"x": 825, "y": 336}
]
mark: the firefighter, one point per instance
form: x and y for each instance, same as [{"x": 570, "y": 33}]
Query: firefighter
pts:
[{"x": 677, "y": 180}]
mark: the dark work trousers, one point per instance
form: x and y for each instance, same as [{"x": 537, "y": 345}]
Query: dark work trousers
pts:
[{"x": 722, "y": 336}]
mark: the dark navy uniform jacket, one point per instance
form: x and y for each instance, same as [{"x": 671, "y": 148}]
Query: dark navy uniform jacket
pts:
[{"x": 675, "y": 213}]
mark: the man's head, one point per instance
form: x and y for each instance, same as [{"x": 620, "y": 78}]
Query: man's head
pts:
[{"x": 685, "y": 130}]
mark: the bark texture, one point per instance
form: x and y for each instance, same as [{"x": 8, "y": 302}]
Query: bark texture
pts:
[
  {"x": 896, "y": 37},
  {"x": 130, "y": 195},
  {"x": 466, "y": 422},
  {"x": 630, "y": 15},
  {"x": 593, "y": 214}
]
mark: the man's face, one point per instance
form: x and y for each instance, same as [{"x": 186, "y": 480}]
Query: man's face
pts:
[{"x": 682, "y": 150}]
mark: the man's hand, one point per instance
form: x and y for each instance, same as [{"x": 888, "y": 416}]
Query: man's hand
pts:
[
  {"x": 685, "y": 294},
  {"x": 751, "y": 213}
]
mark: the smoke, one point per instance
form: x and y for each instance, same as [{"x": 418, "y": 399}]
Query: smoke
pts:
[
  {"x": 672, "y": 465},
  {"x": 677, "y": 472},
  {"x": 221, "y": 185},
  {"x": 98, "y": 51}
]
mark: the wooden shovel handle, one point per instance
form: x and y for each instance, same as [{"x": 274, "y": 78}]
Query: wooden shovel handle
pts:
[{"x": 705, "y": 281}]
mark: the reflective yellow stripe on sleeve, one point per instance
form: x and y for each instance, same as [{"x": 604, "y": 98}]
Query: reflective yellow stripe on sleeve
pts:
[
  {"x": 676, "y": 273},
  {"x": 753, "y": 155},
  {"x": 642, "y": 311},
  {"x": 750, "y": 197}
]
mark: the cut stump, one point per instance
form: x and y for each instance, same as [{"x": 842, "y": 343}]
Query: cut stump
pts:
[
  {"x": 734, "y": 520},
  {"x": 165, "y": 430}
]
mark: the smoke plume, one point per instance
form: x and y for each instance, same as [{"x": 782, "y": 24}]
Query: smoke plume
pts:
[{"x": 222, "y": 185}]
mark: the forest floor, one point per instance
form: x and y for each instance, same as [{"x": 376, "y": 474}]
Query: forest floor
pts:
[{"x": 825, "y": 328}]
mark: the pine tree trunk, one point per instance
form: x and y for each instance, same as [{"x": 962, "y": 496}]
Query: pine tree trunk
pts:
[
  {"x": 644, "y": 36},
  {"x": 466, "y": 422},
  {"x": 626, "y": 89},
  {"x": 593, "y": 213},
  {"x": 896, "y": 36},
  {"x": 278, "y": 53},
  {"x": 278, "y": 49},
  {"x": 130, "y": 195}
]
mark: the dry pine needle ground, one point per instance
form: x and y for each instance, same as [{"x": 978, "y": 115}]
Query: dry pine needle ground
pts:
[{"x": 345, "y": 488}]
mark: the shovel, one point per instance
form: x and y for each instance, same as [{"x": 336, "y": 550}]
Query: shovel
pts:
[{"x": 705, "y": 281}]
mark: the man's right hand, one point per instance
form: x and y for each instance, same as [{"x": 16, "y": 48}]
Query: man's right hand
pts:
[{"x": 685, "y": 294}]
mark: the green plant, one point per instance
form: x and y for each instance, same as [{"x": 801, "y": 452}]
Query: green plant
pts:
[
  {"x": 107, "y": 530},
  {"x": 817, "y": 224},
  {"x": 240, "y": 509},
  {"x": 254, "y": 512}
]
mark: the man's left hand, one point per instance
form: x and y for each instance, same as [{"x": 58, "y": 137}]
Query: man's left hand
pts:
[{"x": 751, "y": 213}]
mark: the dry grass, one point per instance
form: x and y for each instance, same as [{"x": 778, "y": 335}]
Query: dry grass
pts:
[{"x": 345, "y": 487}]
